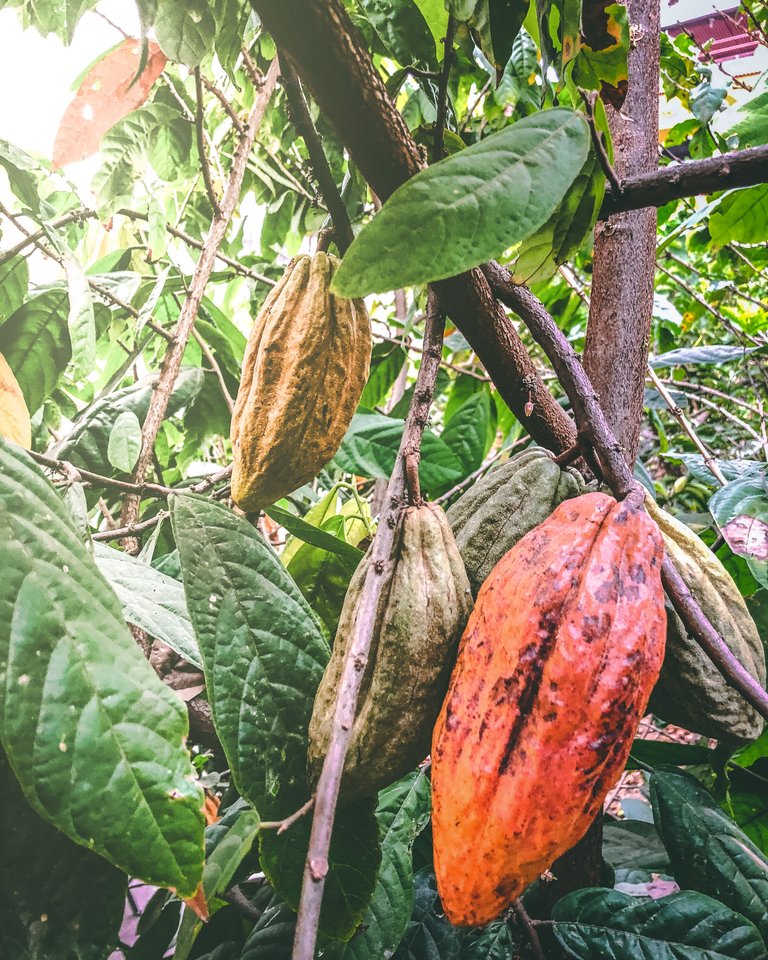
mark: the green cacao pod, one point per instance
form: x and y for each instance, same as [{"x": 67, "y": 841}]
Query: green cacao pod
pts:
[
  {"x": 305, "y": 367},
  {"x": 422, "y": 610},
  {"x": 499, "y": 509},
  {"x": 691, "y": 691}
]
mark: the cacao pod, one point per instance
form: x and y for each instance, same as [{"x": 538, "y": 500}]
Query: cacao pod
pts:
[
  {"x": 14, "y": 416},
  {"x": 305, "y": 367},
  {"x": 553, "y": 674},
  {"x": 691, "y": 691},
  {"x": 422, "y": 610},
  {"x": 505, "y": 504}
]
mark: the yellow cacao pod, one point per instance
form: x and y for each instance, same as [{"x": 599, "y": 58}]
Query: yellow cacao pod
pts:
[
  {"x": 691, "y": 691},
  {"x": 14, "y": 416},
  {"x": 305, "y": 367},
  {"x": 422, "y": 610}
]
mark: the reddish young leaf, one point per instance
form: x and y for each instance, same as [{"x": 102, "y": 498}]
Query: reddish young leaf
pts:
[{"x": 106, "y": 95}]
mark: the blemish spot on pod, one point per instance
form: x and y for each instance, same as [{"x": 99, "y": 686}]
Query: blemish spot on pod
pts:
[
  {"x": 501, "y": 507},
  {"x": 554, "y": 672},
  {"x": 691, "y": 691},
  {"x": 422, "y": 611},
  {"x": 305, "y": 367},
  {"x": 14, "y": 416}
]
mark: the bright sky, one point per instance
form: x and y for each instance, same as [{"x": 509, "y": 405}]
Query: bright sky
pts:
[{"x": 37, "y": 73}]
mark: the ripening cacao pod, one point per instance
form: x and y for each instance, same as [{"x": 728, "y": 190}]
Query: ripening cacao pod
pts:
[
  {"x": 422, "y": 610},
  {"x": 553, "y": 674},
  {"x": 14, "y": 415},
  {"x": 691, "y": 691},
  {"x": 305, "y": 367},
  {"x": 501, "y": 507}
]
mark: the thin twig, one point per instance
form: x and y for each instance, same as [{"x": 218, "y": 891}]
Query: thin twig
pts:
[
  {"x": 442, "y": 90},
  {"x": 172, "y": 361},
  {"x": 74, "y": 216},
  {"x": 282, "y": 825},
  {"x": 208, "y": 354},
  {"x": 200, "y": 139},
  {"x": 237, "y": 899},
  {"x": 533, "y": 937},
  {"x": 475, "y": 103},
  {"x": 483, "y": 468},
  {"x": 597, "y": 142},
  {"x": 302, "y": 120},
  {"x": 316, "y": 866},
  {"x": 228, "y": 108},
  {"x": 592, "y": 424},
  {"x": 130, "y": 529}
]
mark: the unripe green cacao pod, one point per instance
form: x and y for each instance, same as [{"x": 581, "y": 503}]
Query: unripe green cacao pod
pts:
[
  {"x": 305, "y": 367},
  {"x": 499, "y": 509},
  {"x": 422, "y": 610},
  {"x": 691, "y": 692}
]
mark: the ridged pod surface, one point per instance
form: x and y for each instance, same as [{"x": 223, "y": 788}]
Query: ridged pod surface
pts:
[
  {"x": 554, "y": 672},
  {"x": 501, "y": 507},
  {"x": 691, "y": 691},
  {"x": 14, "y": 416},
  {"x": 305, "y": 367},
  {"x": 422, "y": 611}
]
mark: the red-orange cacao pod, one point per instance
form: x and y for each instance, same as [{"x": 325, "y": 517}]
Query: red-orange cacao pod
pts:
[{"x": 554, "y": 672}]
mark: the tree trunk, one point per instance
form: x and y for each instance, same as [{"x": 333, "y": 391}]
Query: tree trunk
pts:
[{"x": 618, "y": 333}]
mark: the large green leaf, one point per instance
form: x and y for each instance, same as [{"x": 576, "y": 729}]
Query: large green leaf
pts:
[
  {"x": 740, "y": 509},
  {"x": 752, "y": 130},
  {"x": 402, "y": 812},
  {"x": 634, "y": 850},
  {"x": 429, "y": 935},
  {"x": 598, "y": 924},
  {"x": 14, "y": 283},
  {"x": 185, "y": 31},
  {"x": 468, "y": 208},
  {"x": 95, "y": 738},
  {"x": 272, "y": 936},
  {"x": 402, "y": 29},
  {"x": 604, "y": 63},
  {"x": 467, "y": 431},
  {"x": 57, "y": 899},
  {"x": 263, "y": 651},
  {"x": 708, "y": 852},
  {"x": 87, "y": 445},
  {"x": 353, "y": 862},
  {"x": 740, "y": 216},
  {"x": 35, "y": 342},
  {"x": 151, "y": 600}
]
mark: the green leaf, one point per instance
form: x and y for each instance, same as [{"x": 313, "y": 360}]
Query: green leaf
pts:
[
  {"x": 436, "y": 15},
  {"x": 80, "y": 319},
  {"x": 607, "y": 65},
  {"x": 467, "y": 430},
  {"x": 740, "y": 216},
  {"x": 19, "y": 166},
  {"x": 185, "y": 32},
  {"x": 708, "y": 852},
  {"x": 740, "y": 510},
  {"x": 521, "y": 69},
  {"x": 706, "y": 100},
  {"x": 231, "y": 18},
  {"x": 402, "y": 813},
  {"x": 715, "y": 354},
  {"x": 152, "y": 600},
  {"x": 87, "y": 445},
  {"x": 35, "y": 342},
  {"x": 124, "y": 444},
  {"x": 468, "y": 208},
  {"x": 600, "y": 924},
  {"x": 387, "y": 361},
  {"x": 370, "y": 448},
  {"x": 657, "y": 752},
  {"x": 506, "y": 19},
  {"x": 752, "y": 131},
  {"x": 95, "y": 738},
  {"x": 353, "y": 863},
  {"x": 14, "y": 283},
  {"x": 429, "y": 934},
  {"x": 634, "y": 849},
  {"x": 263, "y": 651},
  {"x": 57, "y": 899},
  {"x": 492, "y": 942},
  {"x": 308, "y": 533},
  {"x": 272, "y": 936},
  {"x": 402, "y": 29}
]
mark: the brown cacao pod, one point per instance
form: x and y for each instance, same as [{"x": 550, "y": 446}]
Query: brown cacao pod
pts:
[
  {"x": 501, "y": 507},
  {"x": 14, "y": 416},
  {"x": 691, "y": 691},
  {"x": 422, "y": 611},
  {"x": 553, "y": 674},
  {"x": 305, "y": 367}
]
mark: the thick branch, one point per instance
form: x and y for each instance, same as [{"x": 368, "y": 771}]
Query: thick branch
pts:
[
  {"x": 594, "y": 428},
  {"x": 316, "y": 866},
  {"x": 172, "y": 361},
  {"x": 743, "y": 168}
]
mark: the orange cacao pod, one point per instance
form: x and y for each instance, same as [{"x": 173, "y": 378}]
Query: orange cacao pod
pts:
[{"x": 554, "y": 672}]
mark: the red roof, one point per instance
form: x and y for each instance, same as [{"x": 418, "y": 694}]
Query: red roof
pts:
[{"x": 726, "y": 28}]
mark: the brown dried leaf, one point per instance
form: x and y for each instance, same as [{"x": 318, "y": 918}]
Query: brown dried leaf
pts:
[
  {"x": 747, "y": 536},
  {"x": 110, "y": 91}
]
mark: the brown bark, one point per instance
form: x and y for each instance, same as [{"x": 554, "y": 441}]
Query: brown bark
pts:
[
  {"x": 618, "y": 333},
  {"x": 326, "y": 50}
]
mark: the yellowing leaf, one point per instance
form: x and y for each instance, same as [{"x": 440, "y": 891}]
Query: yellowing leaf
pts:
[
  {"x": 112, "y": 89},
  {"x": 14, "y": 416}
]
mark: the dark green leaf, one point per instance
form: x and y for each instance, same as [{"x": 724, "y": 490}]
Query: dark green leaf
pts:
[
  {"x": 387, "y": 361},
  {"x": 467, "y": 431},
  {"x": 506, "y": 19},
  {"x": 263, "y": 651},
  {"x": 429, "y": 935},
  {"x": 708, "y": 852},
  {"x": 634, "y": 850},
  {"x": 272, "y": 936},
  {"x": 470, "y": 207},
  {"x": 492, "y": 942},
  {"x": 94, "y": 736},
  {"x": 402, "y": 29},
  {"x": 657, "y": 752},
  {"x": 603, "y": 924}
]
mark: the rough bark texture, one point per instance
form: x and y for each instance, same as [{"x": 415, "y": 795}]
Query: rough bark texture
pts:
[
  {"x": 616, "y": 349},
  {"x": 326, "y": 50}
]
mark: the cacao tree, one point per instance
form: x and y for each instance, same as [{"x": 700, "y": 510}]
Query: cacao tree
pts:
[{"x": 383, "y": 488}]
